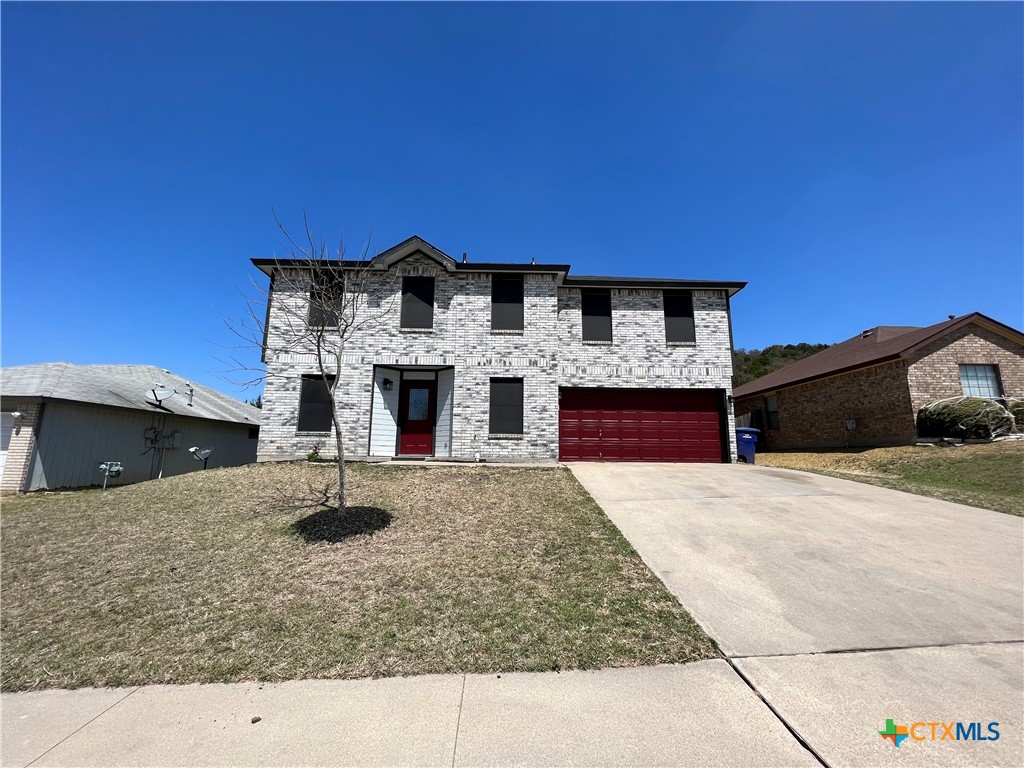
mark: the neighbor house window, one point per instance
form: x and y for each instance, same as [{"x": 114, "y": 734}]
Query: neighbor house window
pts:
[
  {"x": 597, "y": 314},
  {"x": 507, "y": 302},
  {"x": 771, "y": 411},
  {"x": 679, "y": 317},
  {"x": 980, "y": 380},
  {"x": 506, "y": 407},
  {"x": 417, "y": 302},
  {"x": 314, "y": 405}
]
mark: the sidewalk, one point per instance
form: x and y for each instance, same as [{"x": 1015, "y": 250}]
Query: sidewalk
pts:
[{"x": 699, "y": 714}]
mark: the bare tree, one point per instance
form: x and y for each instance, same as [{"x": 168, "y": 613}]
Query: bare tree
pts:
[{"x": 318, "y": 302}]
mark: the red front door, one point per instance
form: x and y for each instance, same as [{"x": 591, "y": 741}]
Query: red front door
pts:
[{"x": 416, "y": 403}]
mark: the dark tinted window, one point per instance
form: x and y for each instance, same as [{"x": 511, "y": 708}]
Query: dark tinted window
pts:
[
  {"x": 324, "y": 301},
  {"x": 679, "y": 316},
  {"x": 771, "y": 408},
  {"x": 321, "y": 315},
  {"x": 417, "y": 302},
  {"x": 507, "y": 302},
  {"x": 314, "y": 405},
  {"x": 506, "y": 407},
  {"x": 597, "y": 314}
]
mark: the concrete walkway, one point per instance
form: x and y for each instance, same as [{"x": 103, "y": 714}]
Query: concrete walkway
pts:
[
  {"x": 699, "y": 714},
  {"x": 843, "y": 604}
]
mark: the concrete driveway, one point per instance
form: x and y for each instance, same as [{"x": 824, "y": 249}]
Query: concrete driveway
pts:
[{"x": 841, "y": 603}]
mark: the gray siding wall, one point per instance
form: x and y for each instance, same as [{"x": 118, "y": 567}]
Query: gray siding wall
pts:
[
  {"x": 74, "y": 439},
  {"x": 549, "y": 353},
  {"x": 384, "y": 430}
]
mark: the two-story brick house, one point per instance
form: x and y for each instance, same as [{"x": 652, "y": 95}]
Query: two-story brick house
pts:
[{"x": 502, "y": 361}]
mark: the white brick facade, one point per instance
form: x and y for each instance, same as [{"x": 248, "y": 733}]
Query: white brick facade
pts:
[{"x": 547, "y": 354}]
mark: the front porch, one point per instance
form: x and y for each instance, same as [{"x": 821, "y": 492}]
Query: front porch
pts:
[{"x": 411, "y": 412}]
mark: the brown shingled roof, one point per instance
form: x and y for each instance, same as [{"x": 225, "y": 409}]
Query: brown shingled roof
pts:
[{"x": 876, "y": 345}]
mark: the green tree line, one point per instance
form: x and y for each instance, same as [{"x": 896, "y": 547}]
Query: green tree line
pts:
[{"x": 750, "y": 364}]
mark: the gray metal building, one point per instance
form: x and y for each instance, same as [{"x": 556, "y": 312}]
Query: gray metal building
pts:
[{"x": 60, "y": 421}]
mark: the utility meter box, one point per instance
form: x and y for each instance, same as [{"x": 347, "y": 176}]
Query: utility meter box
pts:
[{"x": 111, "y": 468}]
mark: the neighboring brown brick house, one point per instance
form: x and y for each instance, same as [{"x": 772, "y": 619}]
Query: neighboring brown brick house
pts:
[{"x": 867, "y": 390}]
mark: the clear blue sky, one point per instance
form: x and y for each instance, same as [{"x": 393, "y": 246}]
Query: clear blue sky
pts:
[{"x": 857, "y": 164}]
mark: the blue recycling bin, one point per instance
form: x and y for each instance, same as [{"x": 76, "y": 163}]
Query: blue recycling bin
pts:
[{"x": 746, "y": 443}]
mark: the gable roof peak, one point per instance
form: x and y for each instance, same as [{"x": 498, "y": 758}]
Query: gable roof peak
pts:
[{"x": 408, "y": 247}]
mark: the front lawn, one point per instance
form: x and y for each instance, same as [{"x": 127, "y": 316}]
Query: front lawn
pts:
[
  {"x": 442, "y": 569},
  {"x": 990, "y": 476}
]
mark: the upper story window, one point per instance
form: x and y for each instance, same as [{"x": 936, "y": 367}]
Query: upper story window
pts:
[
  {"x": 507, "y": 303},
  {"x": 321, "y": 313},
  {"x": 980, "y": 381},
  {"x": 315, "y": 405},
  {"x": 597, "y": 314},
  {"x": 417, "y": 302},
  {"x": 679, "y": 327},
  {"x": 325, "y": 297}
]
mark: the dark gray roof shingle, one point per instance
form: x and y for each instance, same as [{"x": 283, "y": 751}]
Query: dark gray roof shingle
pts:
[{"x": 122, "y": 386}]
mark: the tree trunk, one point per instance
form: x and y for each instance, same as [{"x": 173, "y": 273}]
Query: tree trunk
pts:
[{"x": 342, "y": 482}]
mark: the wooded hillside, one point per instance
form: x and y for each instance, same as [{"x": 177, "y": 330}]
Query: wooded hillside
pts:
[{"x": 750, "y": 364}]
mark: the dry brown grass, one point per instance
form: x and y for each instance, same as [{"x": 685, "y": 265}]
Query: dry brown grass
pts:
[
  {"x": 990, "y": 476},
  {"x": 196, "y": 579}
]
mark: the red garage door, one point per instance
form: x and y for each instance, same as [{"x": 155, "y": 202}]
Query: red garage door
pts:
[{"x": 639, "y": 425}]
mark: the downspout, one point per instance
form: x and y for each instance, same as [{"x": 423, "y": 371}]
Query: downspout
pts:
[{"x": 729, "y": 402}]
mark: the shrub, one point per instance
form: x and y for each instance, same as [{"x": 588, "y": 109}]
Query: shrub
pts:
[
  {"x": 964, "y": 417},
  {"x": 1016, "y": 408}
]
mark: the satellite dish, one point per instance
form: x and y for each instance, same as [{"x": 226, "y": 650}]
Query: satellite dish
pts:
[
  {"x": 201, "y": 454},
  {"x": 158, "y": 394}
]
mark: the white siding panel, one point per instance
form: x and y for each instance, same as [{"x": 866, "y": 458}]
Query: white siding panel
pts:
[
  {"x": 6, "y": 430},
  {"x": 384, "y": 418},
  {"x": 443, "y": 431}
]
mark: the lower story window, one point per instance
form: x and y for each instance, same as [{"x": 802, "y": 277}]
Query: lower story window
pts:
[
  {"x": 980, "y": 381},
  {"x": 771, "y": 412},
  {"x": 315, "y": 405},
  {"x": 506, "y": 407}
]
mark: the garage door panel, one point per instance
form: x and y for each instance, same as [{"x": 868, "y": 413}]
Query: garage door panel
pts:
[
  {"x": 640, "y": 425},
  {"x": 630, "y": 433}
]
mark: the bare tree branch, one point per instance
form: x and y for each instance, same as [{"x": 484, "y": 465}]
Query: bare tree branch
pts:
[{"x": 339, "y": 299}]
